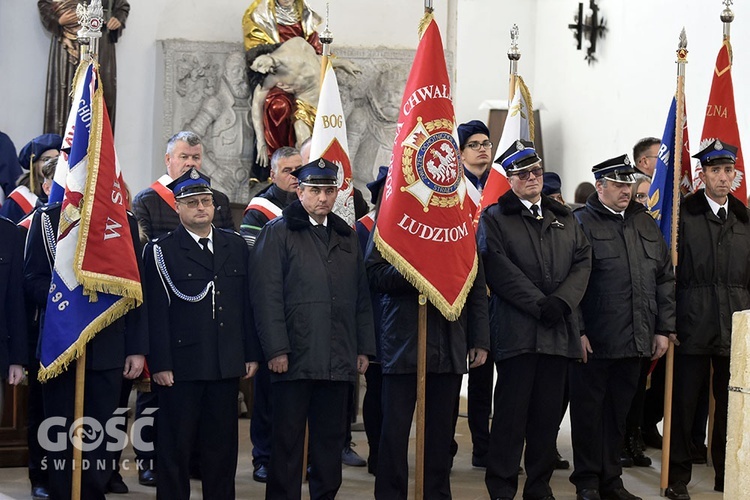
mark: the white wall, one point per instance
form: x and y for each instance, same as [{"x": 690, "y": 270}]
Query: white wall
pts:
[
  {"x": 590, "y": 113},
  {"x": 25, "y": 46}
]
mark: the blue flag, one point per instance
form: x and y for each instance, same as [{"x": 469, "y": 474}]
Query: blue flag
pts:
[{"x": 661, "y": 192}]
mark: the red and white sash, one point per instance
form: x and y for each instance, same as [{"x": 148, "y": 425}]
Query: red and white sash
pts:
[
  {"x": 166, "y": 194},
  {"x": 264, "y": 206},
  {"x": 25, "y": 198}
]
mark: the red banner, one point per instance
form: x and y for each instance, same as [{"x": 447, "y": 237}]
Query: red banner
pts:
[
  {"x": 424, "y": 226},
  {"x": 721, "y": 119}
]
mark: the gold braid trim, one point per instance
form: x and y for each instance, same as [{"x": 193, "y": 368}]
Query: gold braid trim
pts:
[
  {"x": 527, "y": 97},
  {"x": 72, "y": 353},
  {"x": 305, "y": 112},
  {"x": 413, "y": 276},
  {"x": 424, "y": 22},
  {"x": 94, "y": 282}
]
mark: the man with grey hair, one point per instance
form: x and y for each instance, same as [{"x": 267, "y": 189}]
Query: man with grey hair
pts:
[
  {"x": 261, "y": 209},
  {"x": 154, "y": 207},
  {"x": 156, "y": 212}
]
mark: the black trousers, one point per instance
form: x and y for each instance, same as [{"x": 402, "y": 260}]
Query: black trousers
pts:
[
  {"x": 101, "y": 394},
  {"x": 202, "y": 415},
  {"x": 479, "y": 406},
  {"x": 690, "y": 371},
  {"x": 635, "y": 414},
  {"x": 323, "y": 405},
  {"x": 528, "y": 398},
  {"x": 37, "y": 475},
  {"x": 399, "y": 400},
  {"x": 372, "y": 410},
  {"x": 601, "y": 392},
  {"x": 261, "y": 424}
]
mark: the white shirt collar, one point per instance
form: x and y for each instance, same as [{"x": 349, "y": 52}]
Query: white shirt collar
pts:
[
  {"x": 621, "y": 214},
  {"x": 715, "y": 206},
  {"x": 315, "y": 223},
  {"x": 196, "y": 238},
  {"x": 528, "y": 204}
]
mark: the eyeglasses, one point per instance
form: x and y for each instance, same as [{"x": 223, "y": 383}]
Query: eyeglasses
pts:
[
  {"x": 206, "y": 202},
  {"x": 474, "y": 145},
  {"x": 641, "y": 196},
  {"x": 524, "y": 176}
]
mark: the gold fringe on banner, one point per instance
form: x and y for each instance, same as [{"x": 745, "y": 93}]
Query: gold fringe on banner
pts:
[
  {"x": 424, "y": 22},
  {"x": 451, "y": 311},
  {"x": 527, "y": 98}
]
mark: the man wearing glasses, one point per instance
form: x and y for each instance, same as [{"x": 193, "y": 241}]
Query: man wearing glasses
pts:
[
  {"x": 537, "y": 262},
  {"x": 645, "y": 153},
  {"x": 202, "y": 341},
  {"x": 476, "y": 151}
]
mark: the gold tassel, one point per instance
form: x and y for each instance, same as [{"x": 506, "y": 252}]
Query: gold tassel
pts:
[{"x": 424, "y": 22}]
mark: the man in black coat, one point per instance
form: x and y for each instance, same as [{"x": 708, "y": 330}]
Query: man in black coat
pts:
[
  {"x": 13, "y": 344},
  {"x": 713, "y": 281},
  {"x": 315, "y": 325},
  {"x": 156, "y": 211},
  {"x": 262, "y": 208},
  {"x": 202, "y": 342},
  {"x": 629, "y": 297},
  {"x": 115, "y": 352},
  {"x": 537, "y": 261}
]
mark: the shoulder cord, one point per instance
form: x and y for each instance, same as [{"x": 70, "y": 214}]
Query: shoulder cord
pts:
[
  {"x": 166, "y": 280},
  {"x": 50, "y": 239}
]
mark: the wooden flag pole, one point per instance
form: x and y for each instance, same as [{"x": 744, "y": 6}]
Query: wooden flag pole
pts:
[
  {"x": 77, "y": 415},
  {"x": 421, "y": 383},
  {"x": 679, "y": 127}
]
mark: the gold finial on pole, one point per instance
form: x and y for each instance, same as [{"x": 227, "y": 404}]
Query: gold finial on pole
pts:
[
  {"x": 428, "y": 6},
  {"x": 727, "y": 16},
  {"x": 514, "y": 54}
]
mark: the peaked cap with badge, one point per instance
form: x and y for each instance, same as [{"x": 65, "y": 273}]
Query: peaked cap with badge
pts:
[
  {"x": 190, "y": 183},
  {"x": 618, "y": 169},
  {"x": 521, "y": 155},
  {"x": 320, "y": 172},
  {"x": 717, "y": 152}
]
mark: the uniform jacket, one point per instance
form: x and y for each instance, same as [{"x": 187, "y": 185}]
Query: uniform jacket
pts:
[
  {"x": 13, "y": 345},
  {"x": 312, "y": 301},
  {"x": 448, "y": 342},
  {"x": 254, "y": 220},
  {"x": 713, "y": 274},
  {"x": 128, "y": 335},
  {"x": 630, "y": 295},
  {"x": 210, "y": 339},
  {"x": 523, "y": 267},
  {"x": 157, "y": 218}
]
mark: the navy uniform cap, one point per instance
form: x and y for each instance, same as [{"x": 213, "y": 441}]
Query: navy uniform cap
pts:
[
  {"x": 38, "y": 145},
  {"x": 618, "y": 169},
  {"x": 376, "y": 185},
  {"x": 717, "y": 152},
  {"x": 519, "y": 156},
  {"x": 190, "y": 183},
  {"x": 320, "y": 172},
  {"x": 466, "y": 130},
  {"x": 552, "y": 183}
]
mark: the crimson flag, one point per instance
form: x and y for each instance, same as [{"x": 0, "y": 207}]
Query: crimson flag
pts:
[{"x": 424, "y": 226}]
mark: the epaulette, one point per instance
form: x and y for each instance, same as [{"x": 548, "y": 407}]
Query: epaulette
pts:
[
  {"x": 50, "y": 206},
  {"x": 228, "y": 231}
]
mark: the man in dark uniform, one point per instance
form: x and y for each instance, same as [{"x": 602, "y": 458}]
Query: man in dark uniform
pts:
[
  {"x": 264, "y": 207},
  {"x": 537, "y": 262},
  {"x": 12, "y": 313},
  {"x": 156, "y": 211},
  {"x": 115, "y": 352},
  {"x": 315, "y": 326},
  {"x": 202, "y": 342},
  {"x": 713, "y": 281},
  {"x": 629, "y": 297}
]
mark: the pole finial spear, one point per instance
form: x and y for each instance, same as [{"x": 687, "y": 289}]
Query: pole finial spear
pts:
[
  {"x": 326, "y": 37},
  {"x": 91, "y": 20},
  {"x": 514, "y": 54},
  {"x": 727, "y": 16},
  {"x": 682, "y": 53}
]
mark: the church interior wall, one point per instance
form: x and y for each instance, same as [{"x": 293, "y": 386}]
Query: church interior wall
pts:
[{"x": 589, "y": 112}]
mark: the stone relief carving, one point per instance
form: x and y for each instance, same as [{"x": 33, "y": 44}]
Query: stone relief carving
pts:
[{"x": 205, "y": 90}]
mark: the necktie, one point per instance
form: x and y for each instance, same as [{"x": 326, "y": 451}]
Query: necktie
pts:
[
  {"x": 535, "y": 212},
  {"x": 722, "y": 214},
  {"x": 321, "y": 232},
  {"x": 206, "y": 250}
]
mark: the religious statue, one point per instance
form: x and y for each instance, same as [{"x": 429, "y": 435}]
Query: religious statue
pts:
[{"x": 59, "y": 19}]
